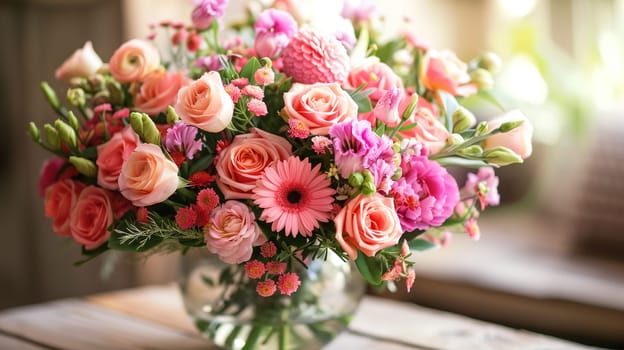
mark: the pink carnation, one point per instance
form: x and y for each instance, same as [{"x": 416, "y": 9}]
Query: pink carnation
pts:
[
  {"x": 312, "y": 57},
  {"x": 288, "y": 283}
]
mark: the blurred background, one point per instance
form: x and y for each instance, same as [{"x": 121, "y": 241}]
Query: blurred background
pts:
[{"x": 550, "y": 258}]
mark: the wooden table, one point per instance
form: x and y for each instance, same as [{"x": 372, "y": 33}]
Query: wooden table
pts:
[{"x": 153, "y": 318}]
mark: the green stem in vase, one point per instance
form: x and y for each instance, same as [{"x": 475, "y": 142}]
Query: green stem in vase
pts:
[{"x": 284, "y": 337}]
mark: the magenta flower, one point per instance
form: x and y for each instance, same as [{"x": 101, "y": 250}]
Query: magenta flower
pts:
[
  {"x": 207, "y": 11},
  {"x": 181, "y": 138},
  {"x": 425, "y": 195},
  {"x": 274, "y": 29}
]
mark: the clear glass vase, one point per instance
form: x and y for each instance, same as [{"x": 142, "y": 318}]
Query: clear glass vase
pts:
[{"x": 226, "y": 308}]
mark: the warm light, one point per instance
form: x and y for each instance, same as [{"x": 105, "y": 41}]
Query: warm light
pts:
[
  {"x": 517, "y": 8},
  {"x": 523, "y": 82}
]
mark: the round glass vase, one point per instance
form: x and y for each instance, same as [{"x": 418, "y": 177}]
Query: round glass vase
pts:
[{"x": 226, "y": 308}]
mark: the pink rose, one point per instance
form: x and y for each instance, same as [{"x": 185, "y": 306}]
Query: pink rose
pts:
[
  {"x": 517, "y": 140},
  {"x": 82, "y": 63},
  {"x": 367, "y": 224},
  {"x": 91, "y": 217},
  {"x": 319, "y": 106},
  {"x": 59, "y": 202},
  {"x": 428, "y": 130},
  {"x": 159, "y": 89},
  {"x": 205, "y": 103},
  {"x": 112, "y": 155},
  {"x": 233, "y": 232},
  {"x": 133, "y": 61},
  {"x": 243, "y": 162},
  {"x": 375, "y": 75},
  {"x": 442, "y": 70},
  {"x": 147, "y": 177}
]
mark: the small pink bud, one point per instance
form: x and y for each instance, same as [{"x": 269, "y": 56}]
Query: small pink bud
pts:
[
  {"x": 387, "y": 108},
  {"x": 264, "y": 76},
  {"x": 405, "y": 250}
]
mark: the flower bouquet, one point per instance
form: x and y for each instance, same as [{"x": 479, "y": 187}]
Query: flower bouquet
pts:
[{"x": 274, "y": 147}]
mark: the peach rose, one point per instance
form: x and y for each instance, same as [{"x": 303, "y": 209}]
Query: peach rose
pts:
[
  {"x": 59, "y": 201},
  {"x": 133, "y": 61},
  {"x": 428, "y": 130},
  {"x": 375, "y": 75},
  {"x": 319, "y": 106},
  {"x": 112, "y": 155},
  {"x": 82, "y": 63},
  {"x": 243, "y": 162},
  {"x": 233, "y": 232},
  {"x": 159, "y": 89},
  {"x": 205, "y": 103},
  {"x": 442, "y": 70},
  {"x": 91, "y": 217},
  {"x": 517, "y": 140},
  {"x": 147, "y": 177},
  {"x": 367, "y": 224}
]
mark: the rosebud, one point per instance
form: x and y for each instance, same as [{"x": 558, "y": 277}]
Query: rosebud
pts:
[
  {"x": 501, "y": 156},
  {"x": 473, "y": 151},
  {"x": 482, "y": 128},
  {"x": 115, "y": 92},
  {"x": 76, "y": 97},
  {"x": 136, "y": 123},
  {"x": 508, "y": 126},
  {"x": 455, "y": 139},
  {"x": 84, "y": 166},
  {"x": 463, "y": 119},
  {"x": 172, "y": 116},
  {"x": 66, "y": 133},
  {"x": 52, "y": 137},
  {"x": 397, "y": 174},
  {"x": 144, "y": 126},
  {"x": 50, "y": 96},
  {"x": 356, "y": 179},
  {"x": 410, "y": 108},
  {"x": 368, "y": 188},
  {"x": 96, "y": 82},
  {"x": 34, "y": 132},
  {"x": 490, "y": 62},
  {"x": 100, "y": 98},
  {"x": 482, "y": 78},
  {"x": 72, "y": 120}
]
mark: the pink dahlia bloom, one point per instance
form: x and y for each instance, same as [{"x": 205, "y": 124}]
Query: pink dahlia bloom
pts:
[
  {"x": 312, "y": 57},
  {"x": 294, "y": 197},
  {"x": 425, "y": 195}
]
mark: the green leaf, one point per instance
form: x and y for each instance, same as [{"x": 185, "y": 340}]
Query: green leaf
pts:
[
  {"x": 449, "y": 106},
  {"x": 250, "y": 68},
  {"x": 462, "y": 162},
  {"x": 406, "y": 127},
  {"x": 370, "y": 268},
  {"x": 421, "y": 245},
  {"x": 201, "y": 164},
  {"x": 381, "y": 129},
  {"x": 91, "y": 254},
  {"x": 116, "y": 243},
  {"x": 90, "y": 153},
  {"x": 361, "y": 99},
  {"x": 207, "y": 281}
]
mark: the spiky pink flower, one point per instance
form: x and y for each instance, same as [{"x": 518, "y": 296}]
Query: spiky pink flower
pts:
[
  {"x": 264, "y": 76},
  {"x": 266, "y": 288},
  {"x": 185, "y": 218},
  {"x": 288, "y": 283},
  {"x": 233, "y": 91},
  {"x": 142, "y": 215},
  {"x": 207, "y": 199},
  {"x": 257, "y": 107},
  {"x": 268, "y": 250},
  {"x": 294, "y": 196},
  {"x": 312, "y": 57},
  {"x": 409, "y": 280},
  {"x": 240, "y": 82},
  {"x": 276, "y": 267},
  {"x": 253, "y": 91},
  {"x": 322, "y": 144},
  {"x": 254, "y": 269},
  {"x": 297, "y": 129},
  {"x": 472, "y": 228}
]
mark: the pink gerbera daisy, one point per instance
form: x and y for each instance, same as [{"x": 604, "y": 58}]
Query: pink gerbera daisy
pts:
[{"x": 294, "y": 196}]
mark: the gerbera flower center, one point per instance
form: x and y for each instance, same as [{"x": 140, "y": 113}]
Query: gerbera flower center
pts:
[{"x": 293, "y": 196}]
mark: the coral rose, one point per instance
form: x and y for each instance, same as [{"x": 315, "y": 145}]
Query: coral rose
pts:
[
  {"x": 91, "y": 217},
  {"x": 133, "y": 61},
  {"x": 147, "y": 177},
  {"x": 319, "y": 106},
  {"x": 375, "y": 75},
  {"x": 54, "y": 169},
  {"x": 82, "y": 64},
  {"x": 159, "y": 89},
  {"x": 442, "y": 70},
  {"x": 233, "y": 232},
  {"x": 59, "y": 201},
  {"x": 112, "y": 155},
  {"x": 205, "y": 103},
  {"x": 517, "y": 140},
  {"x": 243, "y": 162},
  {"x": 367, "y": 224},
  {"x": 428, "y": 130}
]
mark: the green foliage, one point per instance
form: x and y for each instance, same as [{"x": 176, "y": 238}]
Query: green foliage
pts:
[{"x": 371, "y": 268}]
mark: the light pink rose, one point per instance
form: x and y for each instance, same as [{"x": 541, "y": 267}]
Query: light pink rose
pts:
[
  {"x": 233, "y": 232},
  {"x": 59, "y": 201},
  {"x": 112, "y": 155},
  {"x": 133, "y": 61},
  {"x": 367, "y": 224},
  {"x": 375, "y": 75},
  {"x": 428, "y": 130},
  {"x": 243, "y": 162},
  {"x": 442, "y": 70},
  {"x": 91, "y": 217},
  {"x": 147, "y": 177},
  {"x": 159, "y": 90},
  {"x": 319, "y": 106},
  {"x": 517, "y": 140},
  {"x": 205, "y": 103},
  {"x": 82, "y": 63}
]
